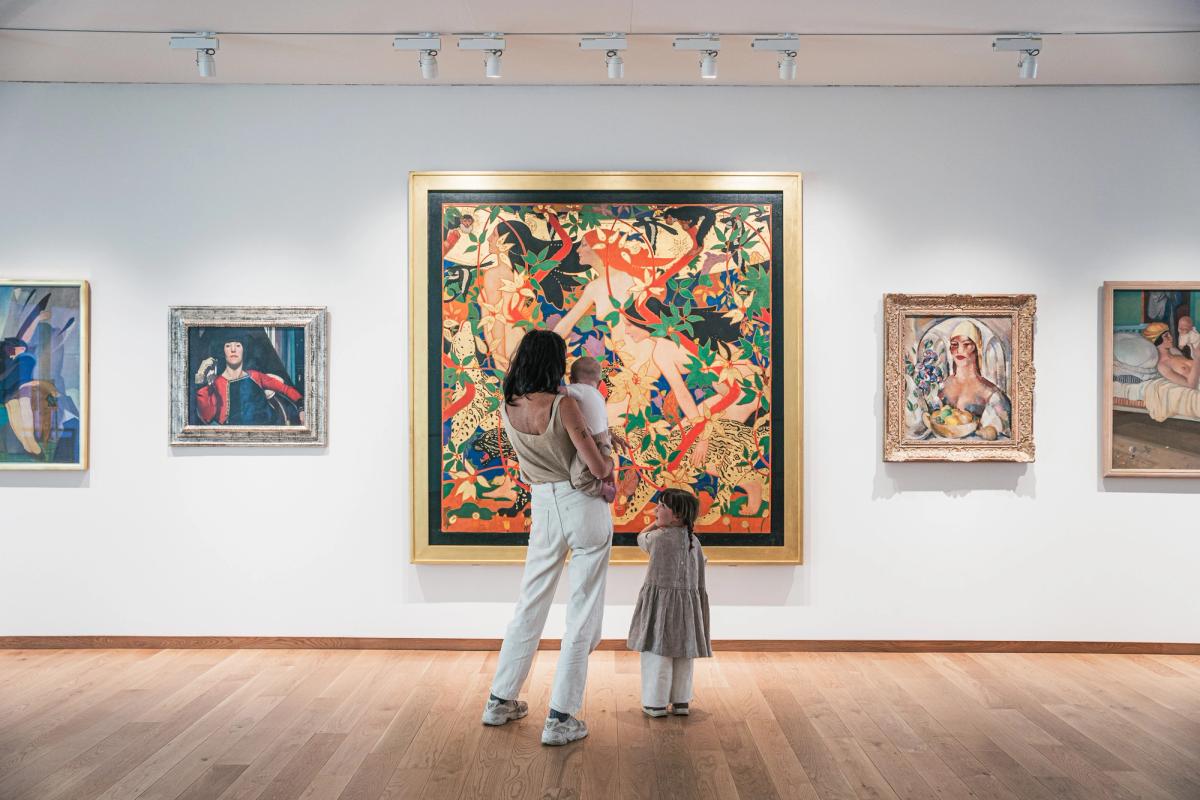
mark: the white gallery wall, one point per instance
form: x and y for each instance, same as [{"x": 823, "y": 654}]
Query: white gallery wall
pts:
[{"x": 163, "y": 195}]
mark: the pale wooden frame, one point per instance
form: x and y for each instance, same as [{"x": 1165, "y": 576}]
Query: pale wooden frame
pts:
[
  {"x": 85, "y": 373},
  {"x": 1106, "y": 373},
  {"x": 1021, "y": 309},
  {"x": 788, "y": 183},
  {"x": 314, "y": 320}
]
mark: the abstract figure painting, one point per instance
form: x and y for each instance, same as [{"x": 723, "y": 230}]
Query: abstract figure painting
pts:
[
  {"x": 1151, "y": 425},
  {"x": 44, "y": 375},
  {"x": 249, "y": 376},
  {"x": 685, "y": 289},
  {"x": 958, "y": 377}
]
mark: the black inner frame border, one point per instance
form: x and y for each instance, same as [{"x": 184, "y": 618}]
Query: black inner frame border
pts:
[{"x": 436, "y": 199}]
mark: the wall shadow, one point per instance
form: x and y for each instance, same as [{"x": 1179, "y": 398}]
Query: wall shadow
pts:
[
  {"x": 743, "y": 585},
  {"x": 953, "y": 480},
  {"x": 46, "y": 479}
]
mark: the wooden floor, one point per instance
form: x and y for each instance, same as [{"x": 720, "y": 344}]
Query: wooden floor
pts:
[{"x": 369, "y": 724}]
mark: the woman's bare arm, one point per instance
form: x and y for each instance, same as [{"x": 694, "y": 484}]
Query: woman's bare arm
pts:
[{"x": 572, "y": 419}]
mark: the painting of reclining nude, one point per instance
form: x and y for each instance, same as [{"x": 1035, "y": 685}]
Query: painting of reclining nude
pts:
[
  {"x": 1152, "y": 385},
  {"x": 677, "y": 297},
  {"x": 247, "y": 376},
  {"x": 44, "y": 375},
  {"x": 959, "y": 376}
]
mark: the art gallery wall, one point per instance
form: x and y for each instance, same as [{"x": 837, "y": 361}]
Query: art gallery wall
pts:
[{"x": 164, "y": 195}]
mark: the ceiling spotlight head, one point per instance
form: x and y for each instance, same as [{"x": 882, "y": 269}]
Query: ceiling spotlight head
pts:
[
  {"x": 428, "y": 64},
  {"x": 1027, "y": 65},
  {"x": 491, "y": 64},
  {"x": 206, "y": 64},
  {"x": 616, "y": 65},
  {"x": 205, "y": 45},
  {"x": 708, "y": 65},
  {"x": 787, "y": 66}
]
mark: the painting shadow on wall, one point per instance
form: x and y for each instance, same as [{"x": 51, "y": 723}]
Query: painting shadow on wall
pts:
[
  {"x": 953, "y": 480},
  {"x": 742, "y": 585},
  {"x": 45, "y": 480}
]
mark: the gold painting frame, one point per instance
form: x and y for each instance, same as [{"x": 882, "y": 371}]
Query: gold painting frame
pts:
[
  {"x": 85, "y": 367},
  {"x": 1107, "y": 380},
  {"x": 787, "y": 184},
  {"x": 1020, "y": 309}
]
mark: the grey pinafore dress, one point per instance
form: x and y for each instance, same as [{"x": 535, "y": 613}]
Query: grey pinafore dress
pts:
[{"x": 671, "y": 618}]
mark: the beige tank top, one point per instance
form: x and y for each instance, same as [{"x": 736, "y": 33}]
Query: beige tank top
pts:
[{"x": 545, "y": 457}]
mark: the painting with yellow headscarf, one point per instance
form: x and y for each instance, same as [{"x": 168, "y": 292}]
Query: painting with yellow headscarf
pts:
[{"x": 953, "y": 361}]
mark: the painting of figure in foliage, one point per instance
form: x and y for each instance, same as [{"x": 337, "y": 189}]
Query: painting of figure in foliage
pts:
[{"x": 674, "y": 296}]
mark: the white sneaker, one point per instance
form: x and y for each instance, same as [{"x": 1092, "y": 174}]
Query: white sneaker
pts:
[
  {"x": 497, "y": 713},
  {"x": 556, "y": 732},
  {"x": 654, "y": 712},
  {"x": 680, "y": 709}
]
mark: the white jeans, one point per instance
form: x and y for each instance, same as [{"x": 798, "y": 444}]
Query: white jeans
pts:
[
  {"x": 564, "y": 520},
  {"x": 665, "y": 680}
]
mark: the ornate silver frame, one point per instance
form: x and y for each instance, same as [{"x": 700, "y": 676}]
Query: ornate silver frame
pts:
[
  {"x": 314, "y": 320},
  {"x": 1020, "y": 308}
]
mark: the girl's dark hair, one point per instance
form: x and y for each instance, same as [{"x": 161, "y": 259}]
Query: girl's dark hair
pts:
[
  {"x": 539, "y": 365},
  {"x": 684, "y": 505}
]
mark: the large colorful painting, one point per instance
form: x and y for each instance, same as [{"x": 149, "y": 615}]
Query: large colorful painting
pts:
[
  {"x": 1151, "y": 425},
  {"x": 248, "y": 376},
  {"x": 959, "y": 377},
  {"x": 44, "y": 375},
  {"x": 684, "y": 295}
]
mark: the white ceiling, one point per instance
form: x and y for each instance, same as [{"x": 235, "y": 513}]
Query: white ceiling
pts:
[{"x": 864, "y": 42}]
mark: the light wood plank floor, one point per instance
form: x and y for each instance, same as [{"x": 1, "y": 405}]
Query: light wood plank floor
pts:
[{"x": 239, "y": 724}]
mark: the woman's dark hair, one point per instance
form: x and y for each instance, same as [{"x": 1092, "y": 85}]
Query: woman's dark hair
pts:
[
  {"x": 539, "y": 365},
  {"x": 684, "y": 505}
]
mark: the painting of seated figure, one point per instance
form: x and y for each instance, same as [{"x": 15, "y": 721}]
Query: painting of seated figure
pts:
[
  {"x": 1151, "y": 425},
  {"x": 959, "y": 377}
]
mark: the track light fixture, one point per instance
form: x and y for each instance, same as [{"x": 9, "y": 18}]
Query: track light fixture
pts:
[
  {"x": 492, "y": 44},
  {"x": 205, "y": 45},
  {"x": 428, "y": 45},
  {"x": 708, "y": 45},
  {"x": 612, "y": 44},
  {"x": 785, "y": 46},
  {"x": 1029, "y": 46}
]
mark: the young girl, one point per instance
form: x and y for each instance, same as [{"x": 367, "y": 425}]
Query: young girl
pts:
[{"x": 670, "y": 623}]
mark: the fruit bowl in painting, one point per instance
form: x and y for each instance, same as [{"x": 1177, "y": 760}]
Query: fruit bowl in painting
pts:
[{"x": 958, "y": 425}]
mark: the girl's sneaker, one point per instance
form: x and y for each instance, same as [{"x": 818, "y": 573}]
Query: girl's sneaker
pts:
[
  {"x": 654, "y": 712},
  {"x": 680, "y": 709}
]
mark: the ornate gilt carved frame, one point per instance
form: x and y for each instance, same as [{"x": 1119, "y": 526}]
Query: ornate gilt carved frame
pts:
[{"x": 1021, "y": 309}]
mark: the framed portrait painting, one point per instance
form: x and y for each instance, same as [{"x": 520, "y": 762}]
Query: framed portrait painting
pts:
[
  {"x": 1151, "y": 383},
  {"x": 685, "y": 288},
  {"x": 958, "y": 377},
  {"x": 44, "y": 375},
  {"x": 249, "y": 375}
]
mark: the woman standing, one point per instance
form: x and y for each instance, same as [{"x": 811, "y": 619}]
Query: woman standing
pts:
[{"x": 546, "y": 430}]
